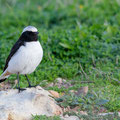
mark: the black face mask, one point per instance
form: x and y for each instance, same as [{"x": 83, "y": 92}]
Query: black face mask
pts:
[{"x": 29, "y": 36}]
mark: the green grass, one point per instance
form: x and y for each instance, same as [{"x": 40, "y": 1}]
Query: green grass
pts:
[
  {"x": 43, "y": 117},
  {"x": 83, "y": 117},
  {"x": 73, "y": 33}
]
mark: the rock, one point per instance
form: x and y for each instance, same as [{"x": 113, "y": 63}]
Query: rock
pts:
[
  {"x": 76, "y": 109},
  {"x": 72, "y": 91},
  {"x": 60, "y": 82},
  {"x": 67, "y": 109},
  {"x": 50, "y": 85},
  {"x": 109, "y": 113},
  {"x": 82, "y": 91},
  {"x": 104, "y": 114},
  {"x": 83, "y": 112},
  {"x": 32, "y": 101},
  {"x": 54, "y": 93},
  {"x": 70, "y": 118},
  {"x": 5, "y": 86}
]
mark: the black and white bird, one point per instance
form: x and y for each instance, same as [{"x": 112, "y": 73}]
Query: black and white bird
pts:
[{"x": 25, "y": 55}]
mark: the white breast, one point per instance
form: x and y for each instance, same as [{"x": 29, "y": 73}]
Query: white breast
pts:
[{"x": 26, "y": 59}]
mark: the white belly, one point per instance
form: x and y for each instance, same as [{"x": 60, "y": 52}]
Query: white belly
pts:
[{"x": 26, "y": 59}]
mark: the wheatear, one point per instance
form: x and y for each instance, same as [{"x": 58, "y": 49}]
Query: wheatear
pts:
[{"x": 25, "y": 55}]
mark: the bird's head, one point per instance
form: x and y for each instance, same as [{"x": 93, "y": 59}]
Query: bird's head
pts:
[{"x": 29, "y": 34}]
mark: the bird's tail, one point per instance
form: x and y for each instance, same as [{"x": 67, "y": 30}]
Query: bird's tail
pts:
[{"x": 4, "y": 76}]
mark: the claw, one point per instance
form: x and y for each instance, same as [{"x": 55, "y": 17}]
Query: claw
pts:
[
  {"x": 30, "y": 86},
  {"x": 20, "y": 89}
]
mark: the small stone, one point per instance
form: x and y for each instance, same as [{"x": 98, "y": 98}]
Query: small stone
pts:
[
  {"x": 5, "y": 86},
  {"x": 59, "y": 80},
  {"x": 75, "y": 109},
  {"x": 70, "y": 118},
  {"x": 50, "y": 85},
  {"x": 104, "y": 114},
  {"x": 72, "y": 91},
  {"x": 66, "y": 115},
  {"x": 54, "y": 93},
  {"x": 82, "y": 91},
  {"x": 83, "y": 113},
  {"x": 67, "y": 109}
]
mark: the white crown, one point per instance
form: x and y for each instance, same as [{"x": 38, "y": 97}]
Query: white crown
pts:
[{"x": 30, "y": 28}]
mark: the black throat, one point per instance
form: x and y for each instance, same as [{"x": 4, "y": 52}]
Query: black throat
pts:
[{"x": 29, "y": 36}]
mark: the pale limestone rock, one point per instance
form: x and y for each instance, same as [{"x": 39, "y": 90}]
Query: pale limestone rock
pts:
[
  {"x": 32, "y": 101},
  {"x": 66, "y": 117}
]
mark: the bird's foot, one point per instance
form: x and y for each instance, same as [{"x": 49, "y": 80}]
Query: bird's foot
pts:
[
  {"x": 20, "y": 89},
  {"x": 30, "y": 86}
]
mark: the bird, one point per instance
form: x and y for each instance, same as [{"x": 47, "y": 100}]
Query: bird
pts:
[{"x": 25, "y": 55}]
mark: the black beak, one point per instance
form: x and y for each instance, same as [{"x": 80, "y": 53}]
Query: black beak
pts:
[{"x": 36, "y": 33}]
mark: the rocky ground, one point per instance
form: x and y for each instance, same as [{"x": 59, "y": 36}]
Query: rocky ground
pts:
[{"x": 38, "y": 101}]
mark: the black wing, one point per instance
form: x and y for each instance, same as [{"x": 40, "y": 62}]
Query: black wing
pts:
[{"x": 14, "y": 49}]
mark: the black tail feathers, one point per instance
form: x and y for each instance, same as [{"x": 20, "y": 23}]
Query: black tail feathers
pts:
[{"x": 2, "y": 80}]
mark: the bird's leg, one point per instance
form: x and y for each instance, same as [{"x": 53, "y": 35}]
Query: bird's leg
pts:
[
  {"x": 20, "y": 89},
  {"x": 29, "y": 82}
]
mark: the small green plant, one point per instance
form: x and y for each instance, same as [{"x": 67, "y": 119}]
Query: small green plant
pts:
[
  {"x": 43, "y": 117},
  {"x": 90, "y": 102}
]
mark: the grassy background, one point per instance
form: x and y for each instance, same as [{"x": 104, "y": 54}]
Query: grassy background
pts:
[{"x": 74, "y": 34}]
